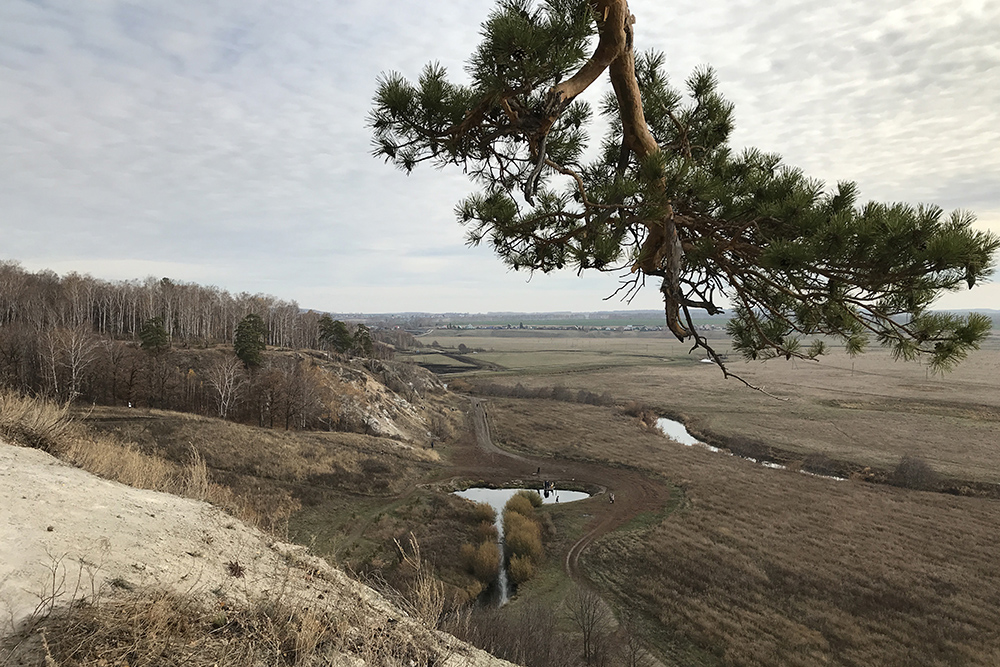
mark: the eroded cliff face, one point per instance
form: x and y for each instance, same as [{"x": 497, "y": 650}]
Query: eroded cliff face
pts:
[
  {"x": 392, "y": 400},
  {"x": 68, "y": 535},
  {"x": 386, "y": 398}
]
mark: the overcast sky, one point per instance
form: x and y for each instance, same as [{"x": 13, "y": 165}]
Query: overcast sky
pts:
[{"x": 224, "y": 142}]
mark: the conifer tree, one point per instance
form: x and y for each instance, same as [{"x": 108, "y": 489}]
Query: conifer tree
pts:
[
  {"x": 335, "y": 334},
  {"x": 362, "y": 342},
  {"x": 668, "y": 199},
  {"x": 153, "y": 336},
  {"x": 250, "y": 340}
]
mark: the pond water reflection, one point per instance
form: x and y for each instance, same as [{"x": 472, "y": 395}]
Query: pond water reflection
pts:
[{"x": 497, "y": 498}]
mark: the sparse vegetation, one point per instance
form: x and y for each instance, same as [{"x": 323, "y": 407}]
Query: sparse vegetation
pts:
[
  {"x": 913, "y": 472},
  {"x": 557, "y": 393},
  {"x": 150, "y": 627},
  {"x": 525, "y": 634},
  {"x": 774, "y": 567}
]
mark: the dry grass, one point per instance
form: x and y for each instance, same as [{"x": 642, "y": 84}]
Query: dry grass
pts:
[
  {"x": 157, "y": 627},
  {"x": 551, "y": 352},
  {"x": 775, "y": 567},
  {"x": 154, "y": 627},
  {"x": 32, "y": 422},
  {"x": 870, "y": 411},
  {"x": 358, "y": 463},
  {"x": 40, "y": 423}
]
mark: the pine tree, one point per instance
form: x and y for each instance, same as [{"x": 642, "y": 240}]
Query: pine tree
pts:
[
  {"x": 250, "y": 340},
  {"x": 153, "y": 337},
  {"x": 334, "y": 334},
  {"x": 667, "y": 197},
  {"x": 362, "y": 343}
]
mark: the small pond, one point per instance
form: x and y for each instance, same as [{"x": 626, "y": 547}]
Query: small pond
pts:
[{"x": 497, "y": 498}]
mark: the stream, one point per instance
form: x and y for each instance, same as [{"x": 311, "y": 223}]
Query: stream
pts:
[
  {"x": 676, "y": 431},
  {"x": 497, "y": 498}
]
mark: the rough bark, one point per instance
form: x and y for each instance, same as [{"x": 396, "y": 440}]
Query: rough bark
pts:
[{"x": 661, "y": 252}]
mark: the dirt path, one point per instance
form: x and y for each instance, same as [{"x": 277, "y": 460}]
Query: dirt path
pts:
[{"x": 634, "y": 492}]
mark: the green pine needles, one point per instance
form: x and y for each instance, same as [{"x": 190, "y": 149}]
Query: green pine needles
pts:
[{"x": 667, "y": 197}]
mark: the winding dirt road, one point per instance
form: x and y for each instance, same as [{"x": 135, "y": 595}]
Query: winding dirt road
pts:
[{"x": 634, "y": 491}]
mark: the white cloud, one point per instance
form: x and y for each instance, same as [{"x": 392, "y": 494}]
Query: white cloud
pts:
[{"x": 226, "y": 138}]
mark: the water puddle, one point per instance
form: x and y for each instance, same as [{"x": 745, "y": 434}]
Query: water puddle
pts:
[
  {"x": 676, "y": 431},
  {"x": 497, "y": 498}
]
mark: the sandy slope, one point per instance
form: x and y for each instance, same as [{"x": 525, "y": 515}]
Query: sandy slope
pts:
[{"x": 61, "y": 524}]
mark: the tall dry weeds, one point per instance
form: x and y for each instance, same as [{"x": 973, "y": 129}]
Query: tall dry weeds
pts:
[
  {"x": 43, "y": 424},
  {"x": 32, "y": 422},
  {"x": 151, "y": 627},
  {"x": 425, "y": 597}
]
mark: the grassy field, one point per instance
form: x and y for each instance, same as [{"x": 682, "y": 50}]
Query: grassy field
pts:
[
  {"x": 771, "y": 567},
  {"x": 747, "y": 565},
  {"x": 869, "y": 410}
]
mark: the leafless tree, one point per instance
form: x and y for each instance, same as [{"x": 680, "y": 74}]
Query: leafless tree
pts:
[
  {"x": 227, "y": 378},
  {"x": 591, "y": 618}
]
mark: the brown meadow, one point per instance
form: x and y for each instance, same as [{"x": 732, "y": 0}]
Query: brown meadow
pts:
[{"x": 776, "y": 567}]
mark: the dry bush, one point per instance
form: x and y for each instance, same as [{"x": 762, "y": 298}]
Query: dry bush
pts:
[
  {"x": 459, "y": 385},
  {"x": 646, "y": 415},
  {"x": 913, "y": 472},
  {"x": 467, "y": 554},
  {"x": 522, "y": 533},
  {"x": 518, "y": 504},
  {"x": 484, "y": 512},
  {"x": 32, "y": 422},
  {"x": 522, "y": 537},
  {"x": 525, "y": 634},
  {"x": 634, "y": 409},
  {"x": 482, "y": 562},
  {"x": 561, "y": 393},
  {"x": 485, "y": 562},
  {"x": 521, "y": 569},
  {"x": 486, "y": 531},
  {"x": 590, "y": 615},
  {"x": 532, "y": 496},
  {"x": 557, "y": 393}
]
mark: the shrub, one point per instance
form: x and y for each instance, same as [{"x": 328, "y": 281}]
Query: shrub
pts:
[
  {"x": 522, "y": 568},
  {"x": 532, "y": 496},
  {"x": 486, "y": 531},
  {"x": 486, "y": 563},
  {"x": 522, "y": 536},
  {"x": 526, "y": 634},
  {"x": 913, "y": 472},
  {"x": 467, "y": 555},
  {"x": 561, "y": 393},
  {"x": 460, "y": 385},
  {"x": 519, "y": 504},
  {"x": 482, "y": 562},
  {"x": 484, "y": 512}
]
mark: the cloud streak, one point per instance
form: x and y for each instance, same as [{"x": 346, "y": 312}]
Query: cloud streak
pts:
[{"x": 225, "y": 140}]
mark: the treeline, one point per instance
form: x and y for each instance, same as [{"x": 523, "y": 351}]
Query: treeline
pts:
[
  {"x": 191, "y": 314},
  {"x": 556, "y": 393},
  {"x": 181, "y": 346}
]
